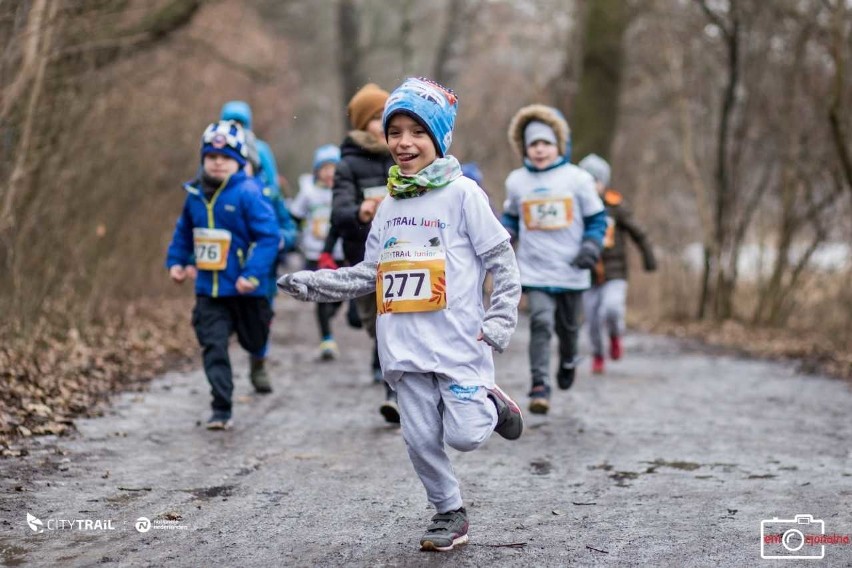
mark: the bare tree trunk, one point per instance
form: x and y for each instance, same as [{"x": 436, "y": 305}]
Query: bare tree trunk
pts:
[
  {"x": 722, "y": 277},
  {"x": 43, "y": 18},
  {"x": 564, "y": 86},
  {"x": 459, "y": 14},
  {"x": 836, "y": 114},
  {"x": 595, "y": 110},
  {"x": 349, "y": 50}
]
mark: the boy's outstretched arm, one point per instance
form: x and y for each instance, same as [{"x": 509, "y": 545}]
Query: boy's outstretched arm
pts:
[
  {"x": 331, "y": 285},
  {"x": 502, "y": 317}
]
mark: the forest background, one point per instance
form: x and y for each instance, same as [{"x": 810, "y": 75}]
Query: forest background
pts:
[{"x": 728, "y": 124}]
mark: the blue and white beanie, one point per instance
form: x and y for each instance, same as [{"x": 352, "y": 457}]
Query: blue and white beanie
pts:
[
  {"x": 427, "y": 102},
  {"x": 596, "y": 166},
  {"x": 326, "y": 154},
  {"x": 227, "y": 138}
]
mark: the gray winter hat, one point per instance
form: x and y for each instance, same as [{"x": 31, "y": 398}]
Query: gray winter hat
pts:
[
  {"x": 536, "y": 130},
  {"x": 596, "y": 166}
]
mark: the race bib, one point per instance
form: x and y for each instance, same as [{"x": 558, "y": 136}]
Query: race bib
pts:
[
  {"x": 547, "y": 214},
  {"x": 376, "y": 192},
  {"x": 320, "y": 221},
  {"x": 319, "y": 227},
  {"x": 411, "y": 279},
  {"x": 609, "y": 236},
  {"x": 211, "y": 248}
]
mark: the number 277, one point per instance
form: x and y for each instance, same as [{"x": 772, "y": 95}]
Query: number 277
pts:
[{"x": 402, "y": 279}]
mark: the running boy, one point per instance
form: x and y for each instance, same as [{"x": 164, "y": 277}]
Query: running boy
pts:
[
  {"x": 553, "y": 209},
  {"x": 431, "y": 243},
  {"x": 230, "y": 229},
  {"x": 262, "y": 168},
  {"x": 312, "y": 209},
  {"x": 606, "y": 301}
]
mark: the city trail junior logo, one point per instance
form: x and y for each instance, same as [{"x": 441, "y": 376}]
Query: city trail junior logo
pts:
[{"x": 35, "y": 524}]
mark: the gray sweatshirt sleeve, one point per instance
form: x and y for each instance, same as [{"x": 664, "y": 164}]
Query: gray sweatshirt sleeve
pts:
[
  {"x": 331, "y": 285},
  {"x": 502, "y": 317}
]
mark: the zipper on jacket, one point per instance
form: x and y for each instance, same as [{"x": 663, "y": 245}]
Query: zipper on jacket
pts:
[{"x": 211, "y": 224}]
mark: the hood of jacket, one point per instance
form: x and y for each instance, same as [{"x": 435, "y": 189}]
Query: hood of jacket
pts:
[
  {"x": 362, "y": 142},
  {"x": 548, "y": 115}
]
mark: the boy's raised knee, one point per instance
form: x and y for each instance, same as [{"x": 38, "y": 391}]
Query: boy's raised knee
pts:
[{"x": 466, "y": 441}]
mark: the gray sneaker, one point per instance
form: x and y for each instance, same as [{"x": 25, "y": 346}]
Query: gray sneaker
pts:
[
  {"x": 446, "y": 531},
  {"x": 259, "y": 377},
  {"x": 510, "y": 421}
]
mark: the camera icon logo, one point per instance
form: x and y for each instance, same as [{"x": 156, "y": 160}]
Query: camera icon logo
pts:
[{"x": 792, "y": 538}]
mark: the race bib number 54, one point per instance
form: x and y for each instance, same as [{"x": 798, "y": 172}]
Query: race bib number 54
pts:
[
  {"x": 411, "y": 279},
  {"x": 211, "y": 248},
  {"x": 547, "y": 214}
]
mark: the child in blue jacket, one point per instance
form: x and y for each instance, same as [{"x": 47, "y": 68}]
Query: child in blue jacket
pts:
[
  {"x": 226, "y": 238},
  {"x": 262, "y": 168}
]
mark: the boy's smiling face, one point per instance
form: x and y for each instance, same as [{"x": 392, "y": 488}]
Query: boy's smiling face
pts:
[
  {"x": 542, "y": 153},
  {"x": 410, "y": 144}
]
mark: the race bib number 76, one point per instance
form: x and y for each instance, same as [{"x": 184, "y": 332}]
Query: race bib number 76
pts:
[{"x": 211, "y": 248}]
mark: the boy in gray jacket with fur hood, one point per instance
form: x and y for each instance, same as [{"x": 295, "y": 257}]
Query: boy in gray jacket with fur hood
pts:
[{"x": 558, "y": 219}]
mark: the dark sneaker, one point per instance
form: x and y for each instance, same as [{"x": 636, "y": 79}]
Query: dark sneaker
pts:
[
  {"x": 390, "y": 409},
  {"x": 565, "y": 377},
  {"x": 540, "y": 399},
  {"x": 510, "y": 421},
  {"x": 328, "y": 350},
  {"x": 446, "y": 531},
  {"x": 219, "y": 421},
  {"x": 259, "y": 377}
]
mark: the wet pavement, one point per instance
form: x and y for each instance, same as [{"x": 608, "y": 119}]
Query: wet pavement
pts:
[{"x": 672, "y": 458}]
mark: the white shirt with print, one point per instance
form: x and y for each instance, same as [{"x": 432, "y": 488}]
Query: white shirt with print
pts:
[
  {"x": 458, "y": 219},
  {"x": 551, "y": 206},
  {"x": 313, "y": 204}
]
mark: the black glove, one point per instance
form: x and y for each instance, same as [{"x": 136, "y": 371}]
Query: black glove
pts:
[
  {"x": 650, "y": 265},
  {"x": 590, "y": 252}
]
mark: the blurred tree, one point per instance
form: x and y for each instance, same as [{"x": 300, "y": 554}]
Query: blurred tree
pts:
[
  {"x": 350, "y": 52},
  {"x": 839, "y": 101},
  {"x": 594, "y": 112}
]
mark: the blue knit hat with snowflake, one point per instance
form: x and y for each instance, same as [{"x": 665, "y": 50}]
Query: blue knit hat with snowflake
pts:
[
  {"x": 432, "y": 105},
  {"x": 227, "y": 138}
]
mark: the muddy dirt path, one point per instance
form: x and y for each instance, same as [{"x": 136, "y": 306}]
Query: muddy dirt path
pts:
[{"x": 672, "y": 458}]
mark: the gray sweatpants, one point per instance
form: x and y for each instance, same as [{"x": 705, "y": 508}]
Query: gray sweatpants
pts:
[
  {"x": 605, "y": 305},
  {"x": 548, "y": 312},
  {"x": 435, "y": 411}
]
